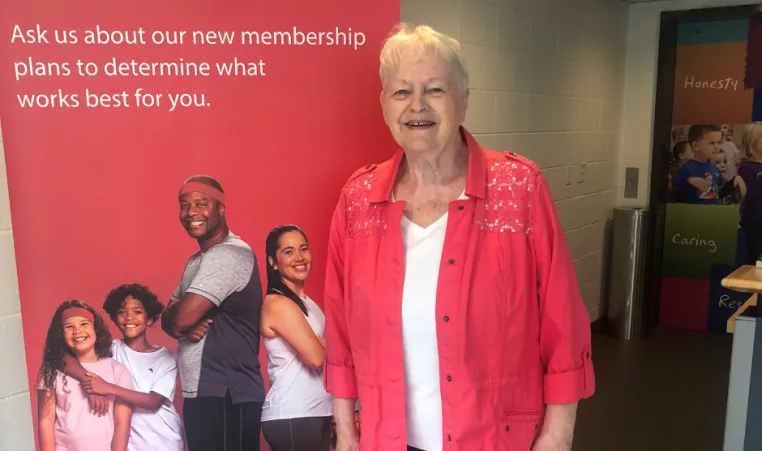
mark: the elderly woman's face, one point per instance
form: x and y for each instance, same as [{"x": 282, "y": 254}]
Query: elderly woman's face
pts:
[{"x": 423, "y": 106}]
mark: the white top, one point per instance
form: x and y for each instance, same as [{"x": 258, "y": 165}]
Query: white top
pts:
[
  {"x": 296, "y": 389},
  {"x": 423, "y": 254},
  {"x": 152, "y": 372}
]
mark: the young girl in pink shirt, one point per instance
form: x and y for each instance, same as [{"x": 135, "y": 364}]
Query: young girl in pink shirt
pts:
[{"x": 64, "y": 419}]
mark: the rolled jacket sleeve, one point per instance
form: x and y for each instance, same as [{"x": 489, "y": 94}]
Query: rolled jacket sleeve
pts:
[
  {"x": 339, "y": 376},
  {"x": 565, "y": 342}
]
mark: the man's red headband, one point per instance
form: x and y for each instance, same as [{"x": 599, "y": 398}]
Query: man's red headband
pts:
[
  {"x": 202, "y": 188},
  {"x": 71, "y": 312}
]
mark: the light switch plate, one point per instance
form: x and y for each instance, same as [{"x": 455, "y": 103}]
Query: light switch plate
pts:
[
  {"x": 631, "y": 183},
  {"x": 582, "y": 173}
]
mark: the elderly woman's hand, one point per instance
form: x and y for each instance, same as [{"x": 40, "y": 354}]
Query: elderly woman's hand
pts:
[
  {"x": 347, "y": 444},
  {"x": 549, "y": 442},
  {"x": 558, "y": 429}
]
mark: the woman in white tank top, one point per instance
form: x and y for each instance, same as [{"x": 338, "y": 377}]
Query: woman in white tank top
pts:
[{"x": 297, "y": 412}]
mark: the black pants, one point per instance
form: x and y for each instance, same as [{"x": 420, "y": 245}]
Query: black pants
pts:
[
  {"x": 753, "y": 234},
  {"x": 298, "y": 434},
  {"x": 216, "y": 424},
  {"x": 410, "y": 448}
]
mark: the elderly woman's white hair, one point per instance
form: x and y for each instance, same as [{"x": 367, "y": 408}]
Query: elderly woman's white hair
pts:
[{"x": 423, "y": 42}]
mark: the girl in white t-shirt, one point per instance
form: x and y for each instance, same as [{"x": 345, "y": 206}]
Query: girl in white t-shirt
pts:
[{"x": 156, "y": 425}]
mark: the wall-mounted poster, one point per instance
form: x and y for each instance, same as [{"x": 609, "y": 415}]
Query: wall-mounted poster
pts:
[
  {"x": 696, "y": 237},
  {"x": 711, "y": 109},
  {"x": 709, "y": 74},
  {"x": 108, "y": 108}
]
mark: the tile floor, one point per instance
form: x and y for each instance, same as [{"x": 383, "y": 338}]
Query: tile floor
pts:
[{"x": 666, "y": 393}]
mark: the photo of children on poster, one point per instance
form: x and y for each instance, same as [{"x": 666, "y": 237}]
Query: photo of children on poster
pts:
[
  {"x": 720, "y": 164},
  {"x": 704, "y": 164}
]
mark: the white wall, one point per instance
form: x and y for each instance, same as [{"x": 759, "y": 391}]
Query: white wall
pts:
[
  {"x": 640, "y": 87},
  {"x": 15, "y": 411},
  {"x": 547, "y": 83}
]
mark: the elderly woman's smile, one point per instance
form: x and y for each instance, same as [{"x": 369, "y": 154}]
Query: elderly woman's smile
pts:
[
  {"x": 419, "y": 124},
  {"x": 422, "y": 103}
]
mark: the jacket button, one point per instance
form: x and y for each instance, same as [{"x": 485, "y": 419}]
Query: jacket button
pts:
[
  {"x": 587, "y": 355},
  {"x": 449, "y": 439},
  {"x": 461, "y": 207},
  {"x": 451, "y": 261},
  {"x": 449, "y": 378},
  {"x": 507, "y": 429},
  {"x": 446, "y": 318}
]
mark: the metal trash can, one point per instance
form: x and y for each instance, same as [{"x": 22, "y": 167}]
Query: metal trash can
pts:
[{"x": 627, "y": 270}]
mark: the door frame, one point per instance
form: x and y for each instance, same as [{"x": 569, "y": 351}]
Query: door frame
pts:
[{"x": 661, "y": 140}]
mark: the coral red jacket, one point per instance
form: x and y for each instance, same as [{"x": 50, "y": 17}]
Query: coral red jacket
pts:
[{"x": 513, "y": 332}]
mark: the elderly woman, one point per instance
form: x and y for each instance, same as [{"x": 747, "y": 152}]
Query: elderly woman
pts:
[{"x": 452, "y": 307}]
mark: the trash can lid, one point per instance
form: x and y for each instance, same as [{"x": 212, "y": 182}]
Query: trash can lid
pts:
[
  {"x": 634, "y": 211},
  {"x": 631, "y": 208}
]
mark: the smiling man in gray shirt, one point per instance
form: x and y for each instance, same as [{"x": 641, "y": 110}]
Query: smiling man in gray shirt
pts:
[{"x": 214, "y": 313}]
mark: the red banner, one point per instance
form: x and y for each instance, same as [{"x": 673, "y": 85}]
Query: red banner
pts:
[{"x": 107, "y": 107}]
